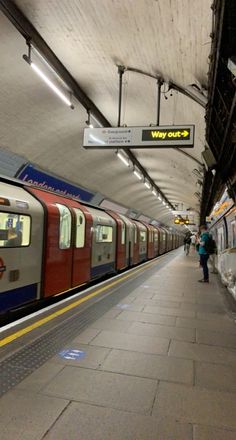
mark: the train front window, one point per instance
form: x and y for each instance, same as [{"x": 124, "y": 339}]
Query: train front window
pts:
[
  {"x": 80, "y": 229},
  {"x": 65, "y": 226},
  {"x": 14, "y": 230},
  {"x": 104, "y": 234}
]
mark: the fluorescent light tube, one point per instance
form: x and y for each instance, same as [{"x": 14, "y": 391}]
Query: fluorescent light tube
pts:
[
  {"x": 159, "y": 198},
  {"x": 51, "y": 85},
  {"x": 147, "y": 184},
  {"x": 124, "y": 159},
  {"x": 154, "y": 192},
  {"x": 138, "y": 175}
]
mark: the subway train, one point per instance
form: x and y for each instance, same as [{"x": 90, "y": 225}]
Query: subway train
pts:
[
  {"x": 223, "y": 230},
  {"x": 50, "y": 244}
]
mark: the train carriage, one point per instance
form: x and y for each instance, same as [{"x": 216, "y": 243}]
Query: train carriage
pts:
[{"x": 21, "y": 241}]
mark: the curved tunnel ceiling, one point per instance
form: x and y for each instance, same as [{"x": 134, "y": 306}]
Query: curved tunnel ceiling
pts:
[{"x": 90, "y": 38}]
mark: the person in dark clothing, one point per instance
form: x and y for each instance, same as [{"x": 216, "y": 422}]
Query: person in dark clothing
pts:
[
  {"x": 14, "y": 238},
  {"x": 187, "y": 242},
  {"x": 204, "y": 256}
]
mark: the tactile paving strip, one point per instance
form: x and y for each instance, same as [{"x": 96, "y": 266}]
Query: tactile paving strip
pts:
[{"x": 19, "y": 365}]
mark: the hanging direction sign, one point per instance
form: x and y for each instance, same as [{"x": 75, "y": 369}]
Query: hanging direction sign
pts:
[{"x": 169, "y": 136}]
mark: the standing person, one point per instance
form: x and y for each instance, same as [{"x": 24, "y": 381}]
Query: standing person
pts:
[
  {"x": 187, "y": 242},
  {"x": 193, "y": 240},
  {"x": 204, "y": 237}
]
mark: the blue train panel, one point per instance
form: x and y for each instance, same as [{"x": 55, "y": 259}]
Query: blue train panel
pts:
[
  {"x": 98, "y": 271},
  {"x": 15, "y": 298}
]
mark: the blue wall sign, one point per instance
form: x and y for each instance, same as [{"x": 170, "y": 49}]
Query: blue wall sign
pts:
[
  {"x": 71, "y": 354},
  {"x": 43, "y": 180}
]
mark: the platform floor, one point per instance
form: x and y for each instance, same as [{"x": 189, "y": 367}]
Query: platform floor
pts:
[{"x": 159, "y": 365}]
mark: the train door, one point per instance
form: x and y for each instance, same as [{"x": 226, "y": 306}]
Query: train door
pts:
[
  {"x": 135, "y": 244},
  {"x": 129, "y": 250},
  {"x": 82, "y": 246},
  {"x": 121, "y": 239},
  {"x": 57, "y": 258},
  {"x": 156, "y": 242},
  {"x": 142, "y": 238},
  {"x": 103, "y": 243},
  {"x": 130, "y": 243}
]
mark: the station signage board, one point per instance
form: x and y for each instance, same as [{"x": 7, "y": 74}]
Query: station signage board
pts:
[{"x": 170, "y": 136}]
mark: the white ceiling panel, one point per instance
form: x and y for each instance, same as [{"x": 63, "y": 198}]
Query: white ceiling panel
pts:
[{"x": 90, "y": 37}]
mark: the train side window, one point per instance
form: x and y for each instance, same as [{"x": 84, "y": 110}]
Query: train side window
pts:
[
  {"x": 220, "y": 236},
  {"x": 151, "y": 236},
  {"x": 135, "y": 234},
  {"x": 143, "y": 236},
  {"x": 80, "y": 228},
  {"x": 123, "y": 233},
  {"x": 65, "y": 226},
  {"x": 104, "y": 234},
  {"x": 15, "y": 230},
  {"x": 155, "y": 236},
  {"x": 233, "y": 230}
]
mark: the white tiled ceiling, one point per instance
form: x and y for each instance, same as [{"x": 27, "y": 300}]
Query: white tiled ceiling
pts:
[{"x": 90, "y": 37}]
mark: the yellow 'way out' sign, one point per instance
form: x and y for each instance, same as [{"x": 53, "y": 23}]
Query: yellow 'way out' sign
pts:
[{"x": 169, "y": 136}]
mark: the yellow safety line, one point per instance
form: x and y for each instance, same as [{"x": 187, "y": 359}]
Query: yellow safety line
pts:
[{"x": 43, "y": 321}]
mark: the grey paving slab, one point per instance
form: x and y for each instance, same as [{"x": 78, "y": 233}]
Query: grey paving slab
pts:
[
  {"x": 142, "y": 293},
  {"x": 212, "y": 324},
  {"x": 91, "y": 356},
  {"x": 213, "y": 376},
  {"x": 201, "y": 352},
  {"x": 169, "y": 311},
  {"x": 113, "y": 313},
  {"x": 87, "y": 422},
  {"x": 111, "y": 324},
  {"x": 163, "y": 293},
  {"x": 40, "y": 377},
  {"x": 215, "y": 317},
  {"x": 87, "y": 335},
  {"x": 216, "y": 338},
  {"x": 209, "y": 299},
  {"x": 158, "y": 303},
  {"x": 124, "y": 341},
  {"x": 130, "y": 306},
  {"x": 209, "y": 308},
  {"x": 171, "y": 296},
  {"x": 129, "y": 393},
  {"x": 147, "y": 317},
  {"x": 195, "y": 405},
  {"x": 28, "y": 415},
  {"x": 209, "y": 433},
  {"x": 164, "y": 331},
  {"x": 147, "y": 365}
]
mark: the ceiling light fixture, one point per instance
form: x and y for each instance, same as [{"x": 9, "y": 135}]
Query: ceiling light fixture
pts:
[
  {"x": 159, "y": 198},
  {"x": 154, "y": 192},
  {"x": 47, "y": 81},
  {"x": 147, "y": 184},
  {"x": 123, "y": 158},
  {"x": 137, "y": 174}
]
